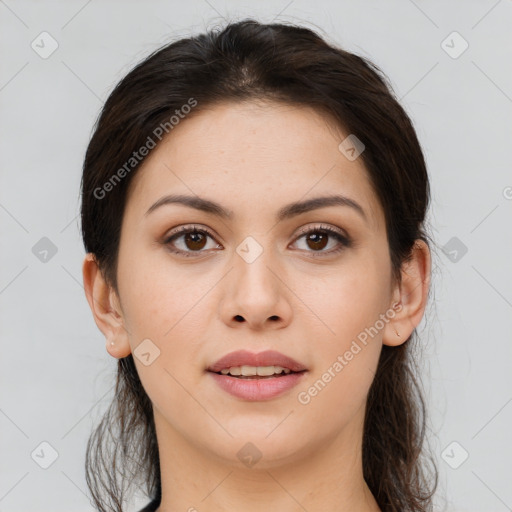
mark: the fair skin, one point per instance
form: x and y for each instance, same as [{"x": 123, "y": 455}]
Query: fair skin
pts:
[{"x": 306, "y": 302}]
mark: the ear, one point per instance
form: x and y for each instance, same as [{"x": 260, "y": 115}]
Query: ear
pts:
[
  {"x": 106, "y": 309},
  {"x": 410, "y": 296}
]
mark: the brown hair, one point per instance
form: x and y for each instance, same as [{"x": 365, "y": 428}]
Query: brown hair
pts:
[{"x": 248, "y": 60}]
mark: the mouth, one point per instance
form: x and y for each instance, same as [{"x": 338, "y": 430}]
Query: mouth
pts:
[
  {"x": 256, "y": 377},
  {"x": 247, "y": 364},
  {"x": 256, "y": 372}
]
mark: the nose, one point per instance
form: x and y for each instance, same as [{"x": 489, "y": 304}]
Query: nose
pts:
[{"x": 256, "y": 294}]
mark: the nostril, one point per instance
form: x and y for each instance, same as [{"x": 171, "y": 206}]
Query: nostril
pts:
[{"x": 239, "y": 318}]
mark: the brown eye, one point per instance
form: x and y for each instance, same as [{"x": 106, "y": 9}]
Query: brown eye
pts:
[
  {"x": 194, "y": 240},
  {"x": 189, "y": 240},
  {"x": 317, "y": 238}
]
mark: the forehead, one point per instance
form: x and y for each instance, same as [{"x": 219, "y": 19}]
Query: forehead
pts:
[{"x": 259, "y": 154}]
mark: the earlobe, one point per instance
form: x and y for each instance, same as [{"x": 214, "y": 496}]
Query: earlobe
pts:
[
  {"x": 105, "y": 308},
  {"x": 411, "y": 294}
]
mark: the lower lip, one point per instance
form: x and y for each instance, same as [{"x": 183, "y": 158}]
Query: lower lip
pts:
[{"x": 257, "y": 389}]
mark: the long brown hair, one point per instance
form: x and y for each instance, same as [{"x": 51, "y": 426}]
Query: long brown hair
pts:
[{"x": 248, "y": 60}]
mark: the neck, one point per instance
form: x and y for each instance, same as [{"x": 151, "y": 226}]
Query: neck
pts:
[{"x": 325, "y": 478}]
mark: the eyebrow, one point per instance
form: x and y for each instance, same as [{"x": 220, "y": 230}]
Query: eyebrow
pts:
[{"x": 286, "y": 212}]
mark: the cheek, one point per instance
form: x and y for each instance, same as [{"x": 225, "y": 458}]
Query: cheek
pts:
[
  {"x": 155, "y": 297},
  {"x": 170, "y": 307},
  {"x": 165, "y": 307},
  {"x": 347, "y": 333},
  {"x": 346, "y": 300},
  {"x": 339, "y": 390}
]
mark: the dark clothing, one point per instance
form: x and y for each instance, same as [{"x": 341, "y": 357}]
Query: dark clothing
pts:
[{"x": 151, "y": 507}]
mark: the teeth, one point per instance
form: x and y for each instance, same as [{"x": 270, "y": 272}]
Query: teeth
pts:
[{"x": 248, "y": 371}]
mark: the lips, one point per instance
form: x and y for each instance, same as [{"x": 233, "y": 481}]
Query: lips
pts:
[{"x": 266, "y": 358}]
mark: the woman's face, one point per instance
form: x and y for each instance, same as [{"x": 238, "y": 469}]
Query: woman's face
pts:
[{"x": 255, "y": 280}]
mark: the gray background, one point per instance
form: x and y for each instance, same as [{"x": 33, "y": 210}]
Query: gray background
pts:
[{"x": 56, "y": 377}]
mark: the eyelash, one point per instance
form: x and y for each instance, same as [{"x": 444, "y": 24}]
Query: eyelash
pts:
[{"x": 345, "y": 242}]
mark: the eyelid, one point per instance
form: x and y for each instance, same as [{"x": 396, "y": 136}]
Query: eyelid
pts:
[
  {"x": 322, "y": 227},
  {"x": 185, "y": 228},
  {"x": 302, "y": 231}
]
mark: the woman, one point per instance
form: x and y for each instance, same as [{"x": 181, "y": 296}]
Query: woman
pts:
[{"x": 253, "y": 206}]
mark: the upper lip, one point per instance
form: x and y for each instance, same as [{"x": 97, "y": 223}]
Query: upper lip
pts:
[{"x": 266, "y": 358}]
